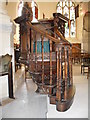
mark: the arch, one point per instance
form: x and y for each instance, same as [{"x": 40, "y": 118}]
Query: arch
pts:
[
  {"x": 86, "y": 20},
  {"x": 20, "y": 7},
  {"x": 67, "y": 8}
]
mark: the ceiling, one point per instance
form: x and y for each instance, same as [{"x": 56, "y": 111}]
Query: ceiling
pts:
[
  {"x": 46, "y": 0},
  {"x": 60, "y": 0},
  {"x": 80, "y": 0}
]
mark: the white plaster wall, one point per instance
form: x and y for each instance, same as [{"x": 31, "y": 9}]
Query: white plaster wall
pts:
[
  {"x": 6, "y": 45},
  {"x": 12, "y": 11},
  {"x": 3, "y": 87},
  {"x": 48, "y": 8}
]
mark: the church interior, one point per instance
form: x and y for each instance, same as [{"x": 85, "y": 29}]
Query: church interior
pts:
[{"x": 44, "y": 58}]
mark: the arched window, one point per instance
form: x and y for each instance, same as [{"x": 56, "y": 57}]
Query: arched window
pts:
[
  {"x": 19, "y": 13},
  {"x": 20, "y": 7},
  {"x": 67, "y": 8},
  {"x": 35, "y": 11}
]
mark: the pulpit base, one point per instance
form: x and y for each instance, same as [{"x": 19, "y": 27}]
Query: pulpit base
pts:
[{"x": 64, "y": 105}]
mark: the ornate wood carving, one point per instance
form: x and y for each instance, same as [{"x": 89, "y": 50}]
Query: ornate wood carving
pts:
[{"x": 54, "y": 74}]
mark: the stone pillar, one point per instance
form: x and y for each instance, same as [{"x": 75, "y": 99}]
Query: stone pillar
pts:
[
  {"x": 86, "y": 33},
  {"x": 7, "y": 31}
]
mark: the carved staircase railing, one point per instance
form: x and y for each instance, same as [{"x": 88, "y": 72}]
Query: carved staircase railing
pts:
[
  {"x": 53, "y": 76},
  {"x": 52, "y": 72}
]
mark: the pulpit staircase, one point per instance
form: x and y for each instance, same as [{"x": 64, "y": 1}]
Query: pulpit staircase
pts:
[
  {"x": 54, "y": 75},
  {"x": 52, "y": 72}
]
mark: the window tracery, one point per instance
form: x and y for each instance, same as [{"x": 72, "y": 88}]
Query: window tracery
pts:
[
  {"x": 67, "y": 8},
  {"x": 20, "y": 7}
]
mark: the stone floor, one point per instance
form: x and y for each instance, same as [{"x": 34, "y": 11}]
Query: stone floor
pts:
[{"x": 29, "y": 104}]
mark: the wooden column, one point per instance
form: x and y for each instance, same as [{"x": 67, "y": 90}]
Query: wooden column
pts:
[
  {"x": 32, "y": 40},
  {"x": 42, "y": 38},
  {"x": 50, "y": 66},
  {"x": 65, "y": 93}
]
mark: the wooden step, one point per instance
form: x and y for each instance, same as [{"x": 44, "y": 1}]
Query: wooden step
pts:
[{"x": 64, "y": 105}]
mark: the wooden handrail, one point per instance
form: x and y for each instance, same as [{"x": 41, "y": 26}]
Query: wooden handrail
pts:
[
  {"x": 43, "y": 33},
  {"x": 66, "y": 41},
  {"x": 62, "y": 37},
  {"x": 63, "y": 41}
]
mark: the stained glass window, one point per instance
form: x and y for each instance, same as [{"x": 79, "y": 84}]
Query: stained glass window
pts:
[
  {"x": 68, "y": 10},
  {"x": 70, "y": 3},
  {"x": 72, "y": 20},
  {"x": 20, "y": 7},
  {"x": 66, "y": 30},
  {"x": 59, "y": 7}
]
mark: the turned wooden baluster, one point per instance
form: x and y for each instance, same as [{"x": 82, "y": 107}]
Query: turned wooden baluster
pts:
[
  {"x": 32, "y": 32},
  {"x": 50, "y": 66},
  {"x": 66, "y": 65},
  {"x": 60, "y": 73},
  {"x": 35, "y": 53},
  {"x": 21, "y": 37},
  {"x": 70, "y": 66},
  {"x": 29, "y": 49},
  {"x": 57, "y": 60},
  {"x": 42, "y": 38},
  {"x": 71, "y": 78}
]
